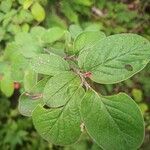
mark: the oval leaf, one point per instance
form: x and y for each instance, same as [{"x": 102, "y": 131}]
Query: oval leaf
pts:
[
  {"x": 116, "y": 58},
  {"x": 49, "y": 64},
  {"x": 30, "y": 79},
  {"x": 27, "y": 45},
  {"x": 38, "y": 12},
  {"x": 87, "y": 40},
  {"x": 53, "y": 34},
  {"x": 57, "y": 88},
  {"x": 29, "y": 101},
  {"x": 7, "y": 84},
  {"x": 114, "y": 122},
  {"x": 38, "y": 33},
  {"x": 75, "y": 30},
  {"x": 27, "y": 4},
  {"x": 60, "y": 126}
]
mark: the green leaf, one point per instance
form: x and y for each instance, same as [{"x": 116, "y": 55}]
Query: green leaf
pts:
[
  {"x": 60, "y": 126},
  {"x": 143, "y": 107},
  {"x": 38, "y": 12},
  {"x": 27, "y": 4},
  {"x": 53, "y": 19},
  {"x": 75, "y": 30},
  {"x": 114, "y": 122},
  {"x": 30, "y": 79},
  {"x": 7, "y": 84},
  {"x": 1, "y": 16},
  {"x": 55, "y": 96},
  {"x": 49, "y": 64},
  {"x": 115, "y": 58},
  {"x": 81, "y": 144},
  {"x": 27, "y": 45},
  {"x": 24, "y": 16},
  {"x": 87, "y": 40},
  {"x": 137, "y": 95},
  {"x": 2, "y": 33},
  {"x": 25, "y": 27},
  {"x": 14, "y": 29},
  {"x": 58, "y": 49},
  {"x": 69, "y": 12},
  {"x": 85, "y": 2},
  {"x": 18, "y": 62},
  {"x": 8, "y": 17},
  {"x": 43, "y": 2},
  {"x": 96, "y": 147},
  {"x": 6, "y": 5},
  {"x": 38, "y": 33},
  {"x": 94, "y": 27},
  {"x": 29, "y": 101},
  {"x": 49, "y": 36},
  {"x": 53, "y": 34}
]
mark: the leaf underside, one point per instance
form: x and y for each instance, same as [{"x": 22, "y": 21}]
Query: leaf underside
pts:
[{"x": 29, "y": 101}]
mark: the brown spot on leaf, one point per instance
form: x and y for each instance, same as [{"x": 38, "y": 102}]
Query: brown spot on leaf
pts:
[
  {"x": 46, "y": 107},
  {"x": 128, "y": 67}
]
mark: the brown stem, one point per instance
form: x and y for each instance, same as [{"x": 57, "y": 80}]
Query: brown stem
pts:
[{"x": 83, "y": 80}]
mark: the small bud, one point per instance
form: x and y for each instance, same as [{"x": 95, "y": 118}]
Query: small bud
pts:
[
  {"x": 16, "y": 85},
  {"x": 87, "y": 74}
]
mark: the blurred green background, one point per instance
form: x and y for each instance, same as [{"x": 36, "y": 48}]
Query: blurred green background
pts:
[{"x": 110, "y": 16}]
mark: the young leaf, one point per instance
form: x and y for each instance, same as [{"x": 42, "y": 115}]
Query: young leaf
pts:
[
  {"x": 69, "y": 12},
  {"x": 7, "y": 84},
  {"x": 49, "y": 36},
  {"x": 2, "y": 33},
  {"x": 96, "y": 147},
  {"x": 115, "y": 58},
  {"x": 30, "y": 79},
  {"x": 38, "y": 33},
  {"x": 94, "y": 27},
  {"x": 87, "y": 40},
  {"x": 53, "y": 19},
  {"x": 143, "y": 107},
  {"x": 60, "y": 126},
  {"x": 57, "y": 88},
  {"x": 29, "y": 101},
  {"x": 38, "y": 12},
  {"x": 13, "y": 54},
  {"x": 23, "y": 16},
  {"x": 25, "y": 27},
  {"x": 27, "y": 4},
  {"x": 114, "y": 122},
  {"x": 49, "y": 64},
  {"x": 53, "y": 34},
  {"x": 18, "y": 61},
  {"x": 6, "y": 5},
  {"x": 1, "y": 17},
  {"x": 27, "y": 45},
  {"x": 137, "y": 95},
  {"x": 75, "y": 30},
  {"x": 85, "y": 2}
]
